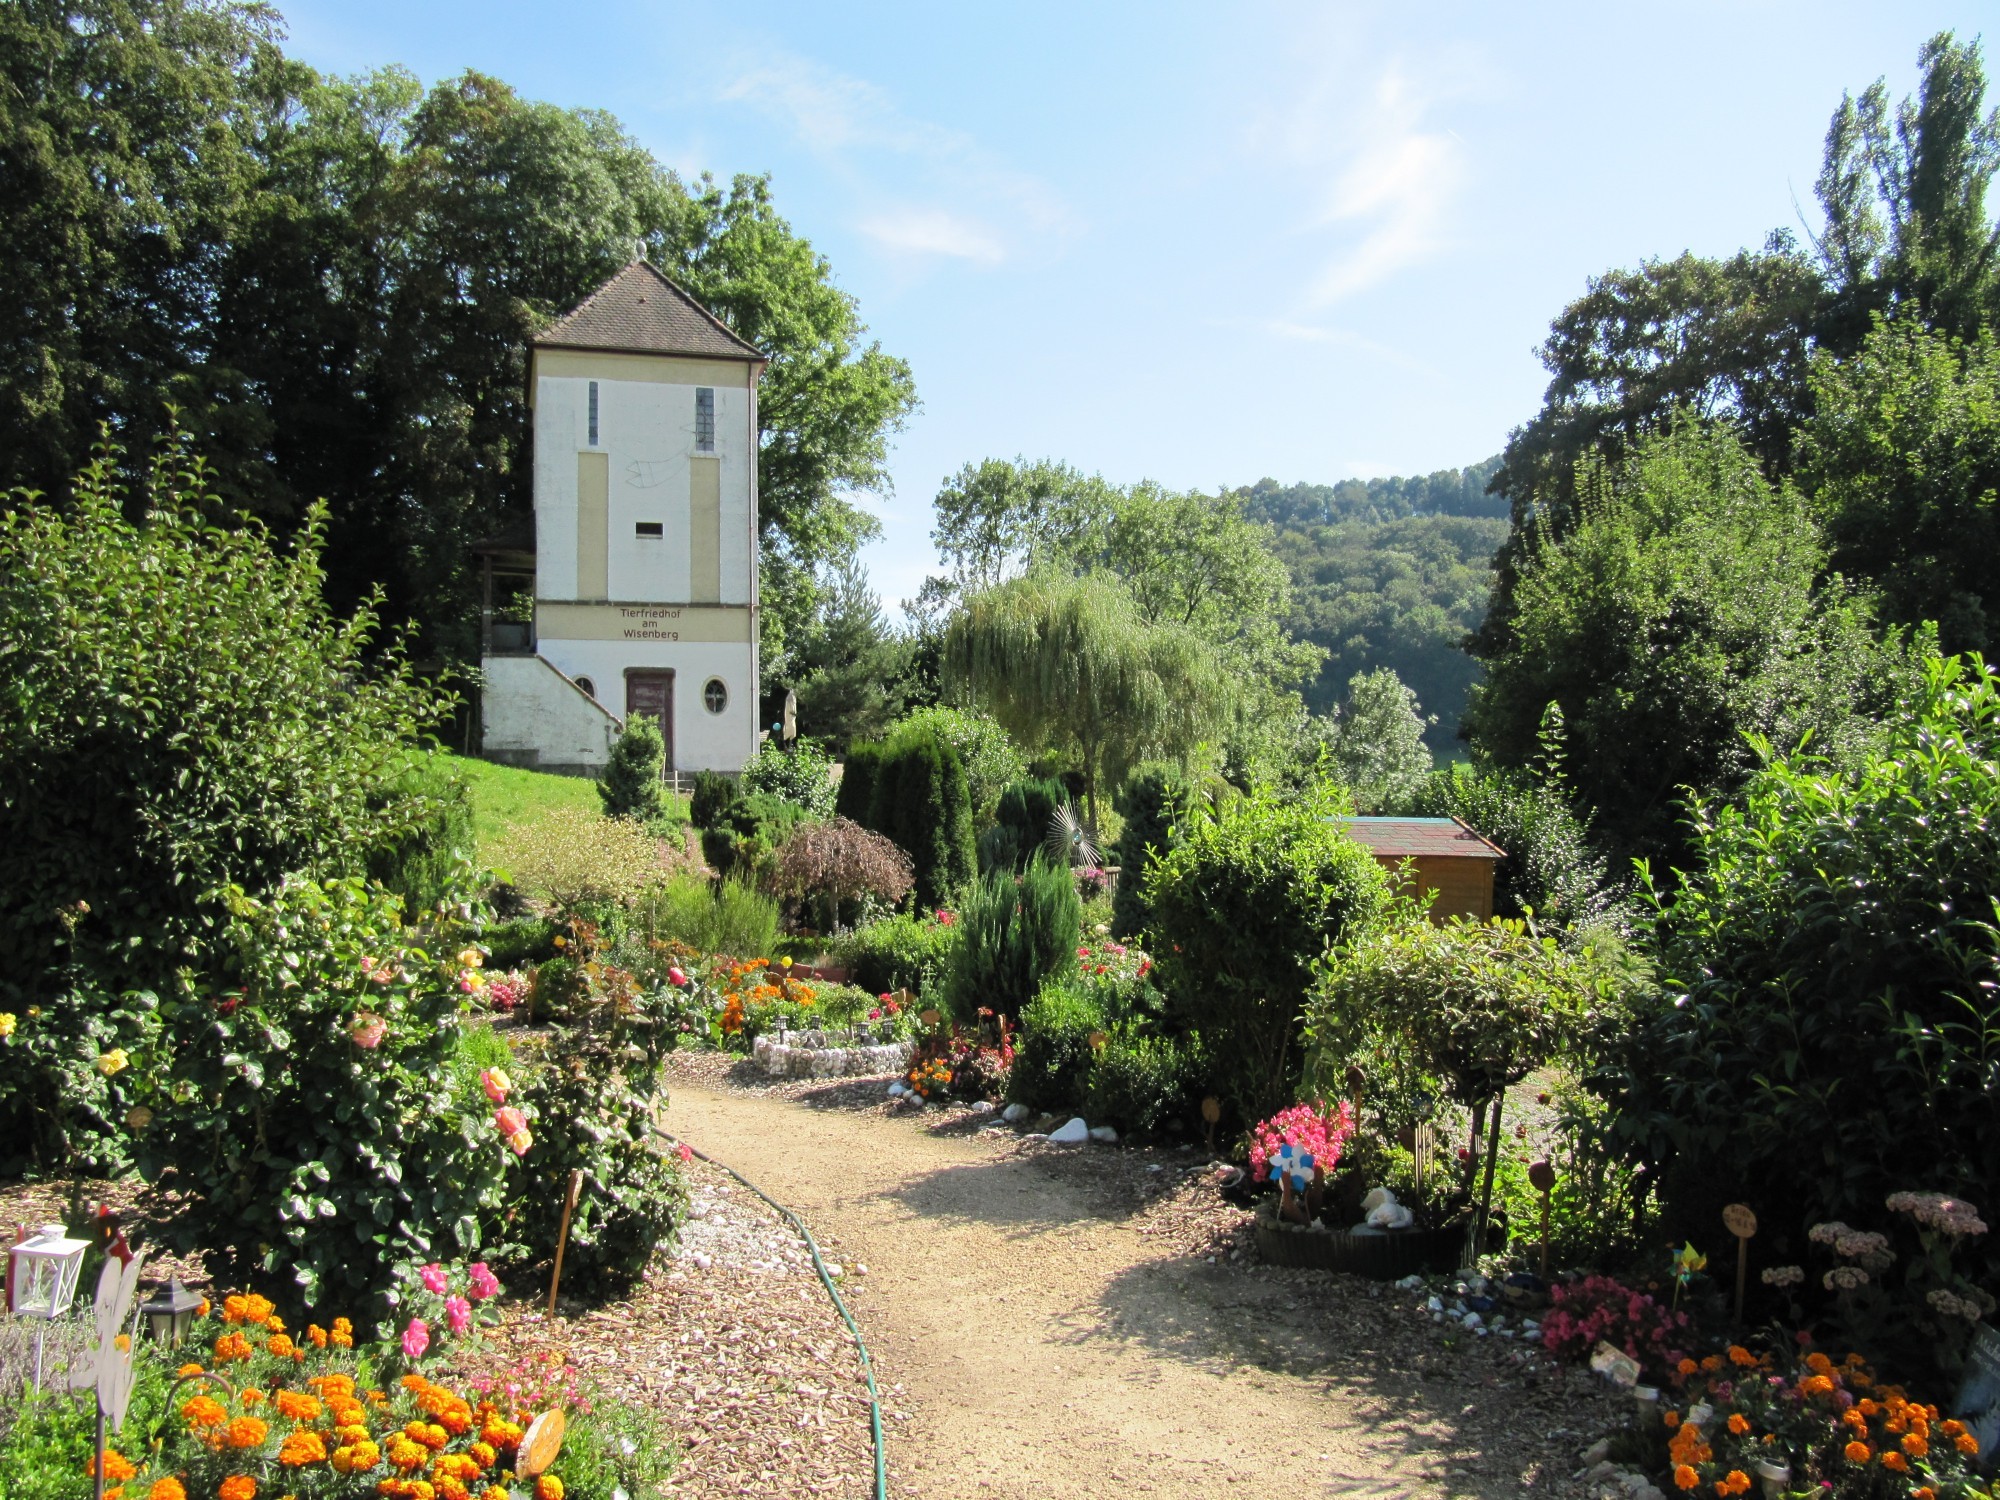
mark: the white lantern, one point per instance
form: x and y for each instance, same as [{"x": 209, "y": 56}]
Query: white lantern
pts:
[{"x": 41, "y": 1279}]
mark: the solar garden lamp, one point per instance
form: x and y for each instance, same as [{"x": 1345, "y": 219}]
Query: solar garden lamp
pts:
[
  {"x": 41, "y": 1280},
  {"x": 169, "y": 1313}
]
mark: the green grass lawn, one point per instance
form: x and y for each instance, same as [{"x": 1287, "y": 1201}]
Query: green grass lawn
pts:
[{"x": 504, "y": 797}]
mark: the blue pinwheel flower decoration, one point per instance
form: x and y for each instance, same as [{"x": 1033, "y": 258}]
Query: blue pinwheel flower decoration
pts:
[{"x": 1293, "y": 1167}]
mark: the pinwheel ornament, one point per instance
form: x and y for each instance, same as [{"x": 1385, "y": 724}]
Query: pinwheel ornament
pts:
[{"x": 1293, "y": 1166}]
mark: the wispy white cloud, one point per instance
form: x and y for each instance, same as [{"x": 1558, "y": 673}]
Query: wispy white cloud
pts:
[
  {"x": 921, "y": 189},
  {"x": 1345, "y": 338},
  {"x": 933, "y": 231}
]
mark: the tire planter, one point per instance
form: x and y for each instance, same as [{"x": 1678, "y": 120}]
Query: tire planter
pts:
[{"x": 1383, "y": 1254}]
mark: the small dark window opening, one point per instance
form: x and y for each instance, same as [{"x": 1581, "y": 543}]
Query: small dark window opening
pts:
[
  {"x": 593, "y": 414},
  {"x": 651, "y": 528},
  {"x": 714, "y": 696},
  {"x": 704, "y": 419},
  {"x": 587, "y": 685}
]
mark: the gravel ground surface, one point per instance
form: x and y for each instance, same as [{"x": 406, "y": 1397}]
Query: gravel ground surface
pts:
[{"x": 1086, "y": 1321}]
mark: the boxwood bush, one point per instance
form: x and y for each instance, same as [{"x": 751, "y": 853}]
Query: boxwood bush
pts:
[{"x": 896, "y": 953}]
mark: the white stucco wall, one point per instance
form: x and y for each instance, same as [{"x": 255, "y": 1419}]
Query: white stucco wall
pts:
[
  {"x": 702, "y": 741},
  {"x": 646, "y": 429},
  {"x": 533, "y": 717}
]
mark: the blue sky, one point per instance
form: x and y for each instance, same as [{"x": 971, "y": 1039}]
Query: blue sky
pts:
[{"x": 1200, "y": 243}]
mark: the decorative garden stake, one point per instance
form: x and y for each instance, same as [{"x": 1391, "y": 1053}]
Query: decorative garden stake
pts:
[
  {"x": 1295, "y": 1170},
  {"x": 1542, "y": 1177},
  {"x": 562, "y": 1239},
  {"x": 41, "y": 1280},
  {"x": 1211, "y": 1112},
  {"x": 1357, "y": 1080},
  {"x": 1687, "y": 1263},
  {"x": 110, "y": 1366},
  {"x": 1742, "y": 1223}
]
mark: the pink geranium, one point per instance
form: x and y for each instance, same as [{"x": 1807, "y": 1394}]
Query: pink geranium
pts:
[
  {"x": 458, "y": 1312},
  {"x": 677, "y": 979},
  {"x": 484, "y": 1283},
  {"x": 434, "y": 1279},
  {"x": 416, "y": 1339}
]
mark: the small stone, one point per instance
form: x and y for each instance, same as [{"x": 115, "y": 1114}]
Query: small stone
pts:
[
  {"x": 1103, "y": 1133},
  {"x": 982, "y": 1106},
  {"x": 833, "y": 1268},
  {"x": 1155, "y": 1167},
  {"x": 1410, "y": 1283},
  {"x": 1473, "y": 1320},
  {"x": 1075, "y": 1133},
  {"x": 1434, "y": 1304},
  {"x": 898, "y": 1088},
  {"x": 1596, "y": 1453},
  {"x": 1013, "y": 1114}
]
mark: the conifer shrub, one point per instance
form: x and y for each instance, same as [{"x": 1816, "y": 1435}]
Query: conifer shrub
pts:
[
  {"x": 431, "y": 859},
  {"x": 856, "y": 796},
  {"x": 921, "y": 802},
  {"x": 1016, "y": 932},
  {"x": 1025, "y": 810},
  {"x": 1153, "y": 802},
  {"x": 632, "y": 784},
  {"x": 714, "y": 794}
]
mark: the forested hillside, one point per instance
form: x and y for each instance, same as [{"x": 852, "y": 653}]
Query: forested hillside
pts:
[{"x": 1388, "y": 573}]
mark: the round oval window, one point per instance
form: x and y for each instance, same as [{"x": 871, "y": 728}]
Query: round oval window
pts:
[
  {"x": 714, "y": 696},
  {"x": 587, "y": 685}
]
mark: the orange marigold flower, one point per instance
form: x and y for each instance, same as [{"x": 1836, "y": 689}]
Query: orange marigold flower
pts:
[
  {"x": 167, "y": 1489},
  {"x": 186, "y": 1370},
  {"x": 405, "y": 1454},
  {"x": 413, "y": 1382},
  {"x": 1965, "y": 1442},
  {"x": 342, "y": 1325},
  {"x": 1738, "y": 1423},
  {"x": 1672, "y": 1419},
  {"x": 1916, "y": 1445},
  {"x": 493, "y": 1492},
  {"x": 281, "y": 1345},
  {"x": 257, "y": 1309},
  {"x": 250, "y": 1396},
  {"x": 355, "y": 1457},
  {"x": 1686, "y": 1477},
  {"x": 1891, "y": 1459},
  {"x": 342, "y": 1340},
  {"x": 275, "y": 1323},
  {"x": 1815, "y": 1385},
  {"x": 298, "y": 1406},
  {"x": 1818, "y": 1363},
  {"x": 331, "y": 1386},
  {"x": 1740, "y": 1356},
  {"x": 202, "y": 1311},
  {"x": 1923, "y": 1492},
  {"x": 548, "y": 1487},
  {"x": 1952, "y": 1427},
  {"x": 1858, "y": 1452},
  {"x": 247, "y": 1432},
  {"x": 302, "y": 1448},
  {"x": 204, "y": 1411},
  {"x": 1686, "y": 1367},
  {"x": 116, "y": 1466},
  {"x": 317, "y": 1334},
  {"x": 1712, "y": 1363},
  {"x": 456, "y": 1465},
  {"x": 238, "y": 1487},
  {"x": 235, "y": 1309},
  {"x": 451, "y": 1489}
]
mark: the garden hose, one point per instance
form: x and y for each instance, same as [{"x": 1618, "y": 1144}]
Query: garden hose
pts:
[{"x": 840, "y": 1306}]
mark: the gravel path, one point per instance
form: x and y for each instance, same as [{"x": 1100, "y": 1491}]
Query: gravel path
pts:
[{"x": 1036, "y": 1337}]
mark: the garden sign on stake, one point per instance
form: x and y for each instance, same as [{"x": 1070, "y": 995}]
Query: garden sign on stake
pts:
[
  {"x": 1742, "y": 1223},
  {"x": 1542, "y": 1177}
]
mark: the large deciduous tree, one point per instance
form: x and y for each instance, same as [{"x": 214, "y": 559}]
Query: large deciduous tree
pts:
[
  {"x": 1684, "y": 610},
  {"x": 1070, "y": 663}
]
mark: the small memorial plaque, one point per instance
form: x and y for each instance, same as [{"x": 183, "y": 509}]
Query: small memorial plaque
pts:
[{"x": 1615, "y": 1364}]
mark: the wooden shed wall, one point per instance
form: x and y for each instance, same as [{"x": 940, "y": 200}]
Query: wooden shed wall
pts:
[{"x": 1464, "y": 886}]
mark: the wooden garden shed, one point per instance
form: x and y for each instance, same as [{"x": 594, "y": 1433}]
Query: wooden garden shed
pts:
[{"x": 1446, "y": 857}]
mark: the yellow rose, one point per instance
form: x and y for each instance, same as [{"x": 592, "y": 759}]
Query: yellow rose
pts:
[
  {"x": 7, "y": 1023},
  {"x": 113, "y": 1061}
]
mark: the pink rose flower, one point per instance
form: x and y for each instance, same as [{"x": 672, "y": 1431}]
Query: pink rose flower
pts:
[
  {"x": 685, "y": 1151},
  {"x": 416, "y": 1339},
  {"x": 509, "y": 1121},
  {"x": 484, "y": 1282},
  {"x": 520, "y": 1140},
  {"x": 368, "y": 1031},
  {"x": 434, "y": 1279},
  {"x": 875, "y": 1014},
  {"x": 677, "y": 979},
  {"x": 458, "y": 1312},
  {"x": 496, "y": 1083}
]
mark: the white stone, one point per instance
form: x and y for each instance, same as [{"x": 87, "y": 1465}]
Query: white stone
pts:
[
  {"x": 898, "y": 1088},
  {"x": 1410, "y": 1283},
  {"x": 1472, "y": 1320},
  {"x": 1434, "y": 1304},
  {"x": 982, "y": 1106},
  {"x": 1104, "y": 1133},
  {"x": 1075, "y": 1133},
  {"x": 1013, "y": 1114}
]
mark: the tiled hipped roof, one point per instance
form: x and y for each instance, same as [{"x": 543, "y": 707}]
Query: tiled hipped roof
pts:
[
  {"x": 639, "y": 311},
  {"x": 1419, "y": 838}
]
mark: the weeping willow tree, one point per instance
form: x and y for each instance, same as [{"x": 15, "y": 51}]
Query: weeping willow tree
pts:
[{"x": 1069, "y": 664}]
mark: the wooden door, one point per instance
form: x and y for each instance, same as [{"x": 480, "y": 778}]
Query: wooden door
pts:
[{"x": 652, "y": 694}]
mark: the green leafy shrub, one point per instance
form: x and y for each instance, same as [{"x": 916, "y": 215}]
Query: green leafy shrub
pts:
[
  {"x": 802, "y": 775},
  {"x": 1141, "y": 1079},
  {"x": 525, "y": 940},
  {"x": 722, "y": 916},
  {"x": 745, "y": 838},
  {"x": 900, "y": 952},
  {"x": 714, "y": 794},
  {"x": 1154, "y": 800},
  {"x": 990, "y": 757},
  {"x": 431, "y": 859},
  {"x": 1829, "y": 1013},
  {"x": 179, "y": 711},
  {"x": 1551, "y": 867},
  {"x": 1015, "y": 933},
  {"x": 633, "y": 785},
  {"x": 577, "y": 861},
  {"x": 591, "y": 1108},
  {"x": 855, "y": 797},
  {"x": 1052, "y": 1053},
  {"x": 1249, "y": 900},
  {"x": 297, "y": 1105}
]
